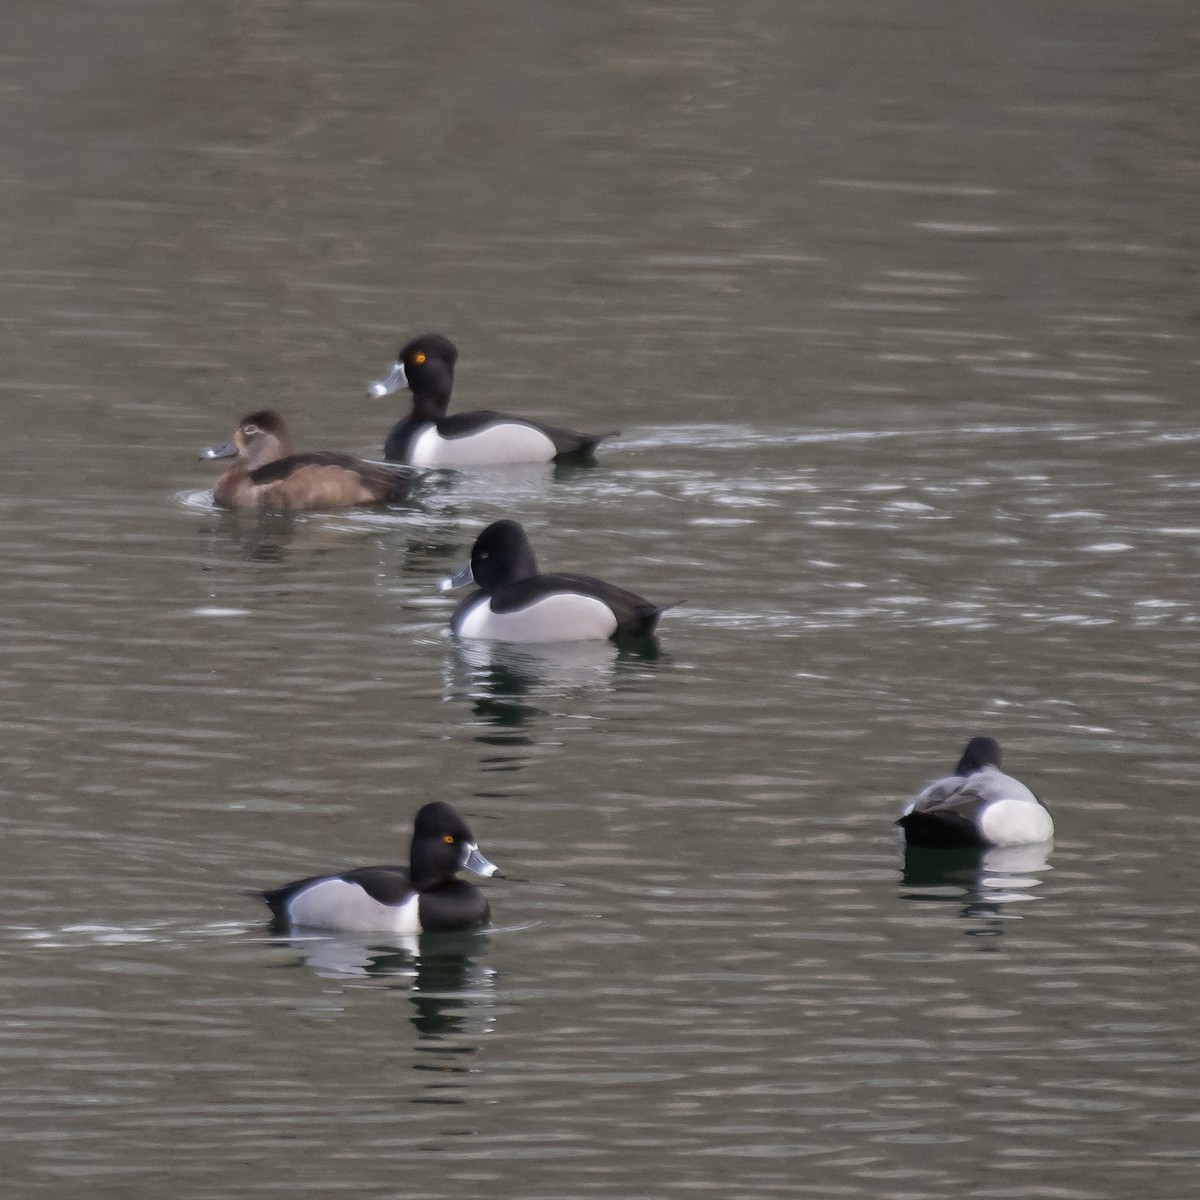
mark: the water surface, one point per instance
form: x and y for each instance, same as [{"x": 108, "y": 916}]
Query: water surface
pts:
[{"x": 894, "y": 312}]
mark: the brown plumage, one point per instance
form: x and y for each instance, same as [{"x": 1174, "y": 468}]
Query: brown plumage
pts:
[{"x": 269, "y": 474}]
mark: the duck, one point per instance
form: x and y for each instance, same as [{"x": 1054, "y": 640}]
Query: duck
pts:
[
  {"x": 424, "y": 897},
  {"x": 514, "y": 602},
  {"x": 270, "y": 474},
  {"x": 979, "y": 805},
  {"x": 427, "y": 437}
]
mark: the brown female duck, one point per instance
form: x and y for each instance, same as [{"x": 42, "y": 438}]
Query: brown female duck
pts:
[{"x": 270, "y": 474}]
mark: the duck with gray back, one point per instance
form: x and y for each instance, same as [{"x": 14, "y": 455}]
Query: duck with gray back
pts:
[
  {"x": 515, "y": 602},
  {"x": 427, "y": 437},
  {"x": 978, "y": 805},
  {"x": 424, "y": 897},
  {"x": 270, "y": 474}
]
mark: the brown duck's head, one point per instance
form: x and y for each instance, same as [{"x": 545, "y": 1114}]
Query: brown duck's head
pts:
[{"x": 260, "y": 438}]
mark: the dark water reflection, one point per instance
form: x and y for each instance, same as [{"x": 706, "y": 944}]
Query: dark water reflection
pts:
[
  {"x": 984, "y": 884},
  {"x": 447, "y": 982},
  {"x": 893, "y": 307}
]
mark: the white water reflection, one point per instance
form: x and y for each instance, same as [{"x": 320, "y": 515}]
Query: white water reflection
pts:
[{"x": 481, "y": 669}]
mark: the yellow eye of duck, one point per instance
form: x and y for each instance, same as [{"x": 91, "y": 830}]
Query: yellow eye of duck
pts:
[
  {"x": 418, "y": 358},
  {"x": 448, "y": 838}
]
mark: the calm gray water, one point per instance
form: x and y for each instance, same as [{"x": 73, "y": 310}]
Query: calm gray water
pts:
[{"x": 895, "y": 308}]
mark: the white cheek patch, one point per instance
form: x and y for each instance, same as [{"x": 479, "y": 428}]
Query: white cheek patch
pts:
[
  {"x": 1014, "y": 822},
  {"x": 562, "y": 617},
  {"x": 336, "y": 904},
  {"x": 506, "y": 442}
]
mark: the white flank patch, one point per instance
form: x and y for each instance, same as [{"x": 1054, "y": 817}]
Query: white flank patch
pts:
[
  {"x": 1015, "y": 822},
  {"x": 336, "y": 904},
  {"x": 561, "y": 617},
  {"x": 507, "y": 442}
]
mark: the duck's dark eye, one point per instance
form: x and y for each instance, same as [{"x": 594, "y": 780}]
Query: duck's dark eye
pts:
[
  {"x": 251, "y": 429},
  {"x": 418, "y": 358},
  {"x": 448, "y": 838}
]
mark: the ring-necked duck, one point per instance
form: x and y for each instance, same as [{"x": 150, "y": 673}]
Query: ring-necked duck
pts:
[
  {"x": 515, "y": 603},
  {"x": 429, "y": 438},
  {"x": 424, "y": 897},
  {"x": 269, "y": 474},
  {"x": 976, "y": 806}
]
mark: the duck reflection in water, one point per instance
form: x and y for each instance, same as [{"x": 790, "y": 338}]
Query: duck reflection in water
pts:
[
  {"x": 265, "y": 536},
  {"x": 261, "y": 536},
  {"x": 502, "y": 680},
  {"x": 450, "y": 988},
  {"x": 986, "y": 883}
]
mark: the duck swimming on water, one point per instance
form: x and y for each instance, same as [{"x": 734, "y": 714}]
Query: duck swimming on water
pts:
[
  {"x": 427, "y": 437},
  {"x": 270, "y": 474},
  {"x": 515, "y": 602},
  {"x": 424, "y": 897},
  {"x": 979, "y": 805}
]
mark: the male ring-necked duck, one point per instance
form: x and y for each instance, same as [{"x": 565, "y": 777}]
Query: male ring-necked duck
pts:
[
  {"x": 427, "y": 437},
  {"x": 269, "y": 474},
  {"x": 514, "y": 603},
  {"x": 976, "y": 806},
  {"x": 424, "y": 897}
]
